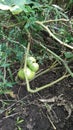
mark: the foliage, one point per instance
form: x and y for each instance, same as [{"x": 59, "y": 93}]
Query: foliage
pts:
[
  {"x": 19, "y": 26},
  {"x": 19, "y": 122}
]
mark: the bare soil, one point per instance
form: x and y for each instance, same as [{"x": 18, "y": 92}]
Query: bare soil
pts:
[{"x": 49, "y": 109}]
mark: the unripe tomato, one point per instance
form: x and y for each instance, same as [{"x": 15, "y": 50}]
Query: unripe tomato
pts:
[
  {"x": 30, "y": 60},
  {"x": 34, "y": 67},
  {"x": 30, "y": 74},
  {"x": 21, "y": 74}
]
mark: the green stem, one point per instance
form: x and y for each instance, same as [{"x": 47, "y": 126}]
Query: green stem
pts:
[
  {"x": 59, "y": 58},
  {"x": 52, "y": 35},
  {"x": 45, "y": 86},
  {"x": 55, "y": 55},
  {"x": 47, "y": 70}
]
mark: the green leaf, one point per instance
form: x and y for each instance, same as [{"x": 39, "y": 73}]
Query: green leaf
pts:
[
  {"x": 68, "y": 55},
  {"x": 5, "y": 65},
  {"x": 19, "y": 128},
  {"x": 20, "y": 121},
  {"x": 15, "y": 6},
  {"x": 4, "y": 7},
  {"x": 15, "y": 2},
  {"x": 16, "y": 9}
]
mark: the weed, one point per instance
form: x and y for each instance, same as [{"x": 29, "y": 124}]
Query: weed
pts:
[{"x": 19, "y": 122}]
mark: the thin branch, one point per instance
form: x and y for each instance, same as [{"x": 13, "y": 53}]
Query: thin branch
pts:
[
  {"x": 57, "y": 57},
  {"x": 45, "y": 86},
  {"x": 55, "y": 20},
  {"x": 53, "y": 36}
]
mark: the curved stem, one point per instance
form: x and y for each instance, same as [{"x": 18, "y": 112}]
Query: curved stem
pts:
[
  {"x": 55, "y": 20},
  {"x": 52, "y": 35},
  {"x": 55, "y": 55},
  {"x": 47, "y": 70},
  {"x": 45, "y": 86},
  {"x": 58, "y": 58}
]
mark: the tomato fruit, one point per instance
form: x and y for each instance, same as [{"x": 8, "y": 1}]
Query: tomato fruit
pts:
[
  {"x": 30, "y": 70},
  {"x": 30, "y": 60},
  {"x": 21, "y": 74},
  {"x": 29, "y": 73},
  {"x": 34, "y": 67}
]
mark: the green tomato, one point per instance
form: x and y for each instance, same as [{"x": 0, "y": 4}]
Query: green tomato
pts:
[
  {"x": 30, "y": 74},
  {"x": 34, "y": 67},
  {"x": 21, "y": 74},
  {"x": 30, "y": 60}
]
